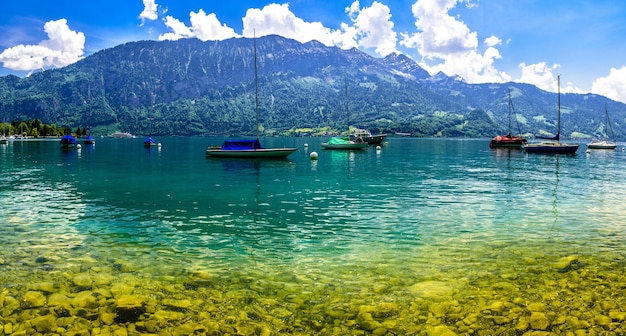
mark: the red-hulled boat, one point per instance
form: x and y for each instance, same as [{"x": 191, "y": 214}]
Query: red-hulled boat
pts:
[{"x": 508, "y": 141}]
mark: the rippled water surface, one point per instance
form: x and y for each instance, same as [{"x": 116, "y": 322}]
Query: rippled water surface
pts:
[{"x": 421, "y": 236}]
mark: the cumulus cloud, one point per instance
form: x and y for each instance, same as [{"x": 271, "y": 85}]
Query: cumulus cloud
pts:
[
  {"x": 370, "y": 27},
  {"x": 149, "y": 11},
  {"x": 543, "y": 76},
  {"x": 448, "y": 45},
  {"x": 539, "y": 74},
  {"x": 612, "y": 86},
  {"x": 374, "y": 28},
  {"x": 204, "y": 27},
  {"x": 278, "y": 19},
  {"x": 63, "y": 47}
]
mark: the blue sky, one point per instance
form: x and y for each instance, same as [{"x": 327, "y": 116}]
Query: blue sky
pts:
[{"x": 530, "y": 41}]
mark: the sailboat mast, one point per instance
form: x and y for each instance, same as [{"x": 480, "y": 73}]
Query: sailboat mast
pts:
[
  {"x": 510, "y": 108},
  {"x": 608, "y": 122},
  {"x": 558, "y": 134},
  {"x": 345, "y": 80},
  {"x": 256, "y": 88}
]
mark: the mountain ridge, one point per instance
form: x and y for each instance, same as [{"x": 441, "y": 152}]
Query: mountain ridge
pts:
[{"x": 191, "y": 87}]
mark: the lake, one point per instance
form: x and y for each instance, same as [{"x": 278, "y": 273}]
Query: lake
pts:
[{"x": 420, "y": 237}]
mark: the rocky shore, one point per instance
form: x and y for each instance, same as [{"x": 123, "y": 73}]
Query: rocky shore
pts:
[{"x": 77, "y": 293}]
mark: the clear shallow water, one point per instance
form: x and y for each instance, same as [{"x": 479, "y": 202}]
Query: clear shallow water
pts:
[{"x": 422, "y": 235}]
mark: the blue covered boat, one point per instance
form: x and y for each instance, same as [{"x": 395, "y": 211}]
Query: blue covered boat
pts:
[
  {"x": 248, "y": 148},
  {"x": 68, "y": 141},
  {"x": 89, "y": 140},
  {"x": 149, "y": 142}
]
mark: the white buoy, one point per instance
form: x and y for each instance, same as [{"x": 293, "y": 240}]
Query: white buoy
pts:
[
  {"x": 159, "y": 144},
  {"x": 588, "y": 151},
  {"x": 306, "y": 145},
  {"x": 377, "y": 148},
  {"x": 78, "y": 146},
  {"x": 622, "y": 148},
  {"x": 313, "y": 155}
]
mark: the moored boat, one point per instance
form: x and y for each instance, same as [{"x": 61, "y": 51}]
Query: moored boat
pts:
[
  {"x": 249, "y": 148},
  {"x": 68, "y": 141},
  {"x": 148, "y": 142},
  {"x": 343, "y": 143},
  {"x": 89, "y": 140},
  {"x": 508, "y": 140},
  {"x": 555, "y": 146},
  {"x": 367, "y": 136},
  {"x": 604, "y": 143}
]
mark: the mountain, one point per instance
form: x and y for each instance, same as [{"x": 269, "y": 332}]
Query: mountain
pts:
[{"x": 190, "y": 87}]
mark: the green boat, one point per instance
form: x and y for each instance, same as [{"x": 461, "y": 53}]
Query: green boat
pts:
[{"x": 343, "y": 143}]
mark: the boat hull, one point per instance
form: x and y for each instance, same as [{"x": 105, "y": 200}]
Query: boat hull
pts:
[
  {"x": 551, "y": 148},
  {"x": 375, "y": 139},
  {"x": 352, "y": 146},
  {"x": 250, "y": 153}
]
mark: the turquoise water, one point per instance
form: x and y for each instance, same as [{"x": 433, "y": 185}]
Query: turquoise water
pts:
[{"x": 424, "y": 236}]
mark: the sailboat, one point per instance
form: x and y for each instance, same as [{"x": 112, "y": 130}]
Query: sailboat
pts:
[
  {"x": 249, "y": 148},
  {"x": 508, "y": 141},
  {"x": 555, "y": 146},
  {"x": 345, "y": 142},
  {"x": 606, "y": 143}
]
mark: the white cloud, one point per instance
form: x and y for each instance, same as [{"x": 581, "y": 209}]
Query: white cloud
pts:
[
  {"x": 374, "y": 28},
  {"x": 204, "y": 27},
  {"x": 542, "y": 76},
  {"x": 539, "y": 74},
  {"x": 371, "y": 27},
  {"x": 492, "y": 41},
  {"x": 149, "y": 11},
  {"x": 62, "y": 48},
  {"x": 612, "y": 86},
  {"x": 279, "y": 20},
  {"x": 208, "y": 27},
  {"x": 447, "y": 44}
]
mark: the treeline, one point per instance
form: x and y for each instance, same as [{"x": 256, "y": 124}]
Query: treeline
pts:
[{"x": 35, "y": 128}]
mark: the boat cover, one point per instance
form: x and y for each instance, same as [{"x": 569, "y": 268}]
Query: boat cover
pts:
[
  {"x": 149, "y": 140},
  {"x": 241, "y": 144},
  {"x": 338, "y": 141},
  {"x": 68, "y": 139},
  {"x": 556, "y": 137}
]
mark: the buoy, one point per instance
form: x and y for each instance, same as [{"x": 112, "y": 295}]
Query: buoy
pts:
[
  {"x": 386, "y": 143},
  {"x": 313, "y": 155},
  {"x": 159, "y": 144},
  {"x": 378, "y": 148},
  {"x": 588, "y": 151},
  {"x": 78, "y": 146},
  {"x": 306, "y": 145}
]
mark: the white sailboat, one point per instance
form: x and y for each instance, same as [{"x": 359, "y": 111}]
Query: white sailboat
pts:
[{"x": 604, "y": 143}]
